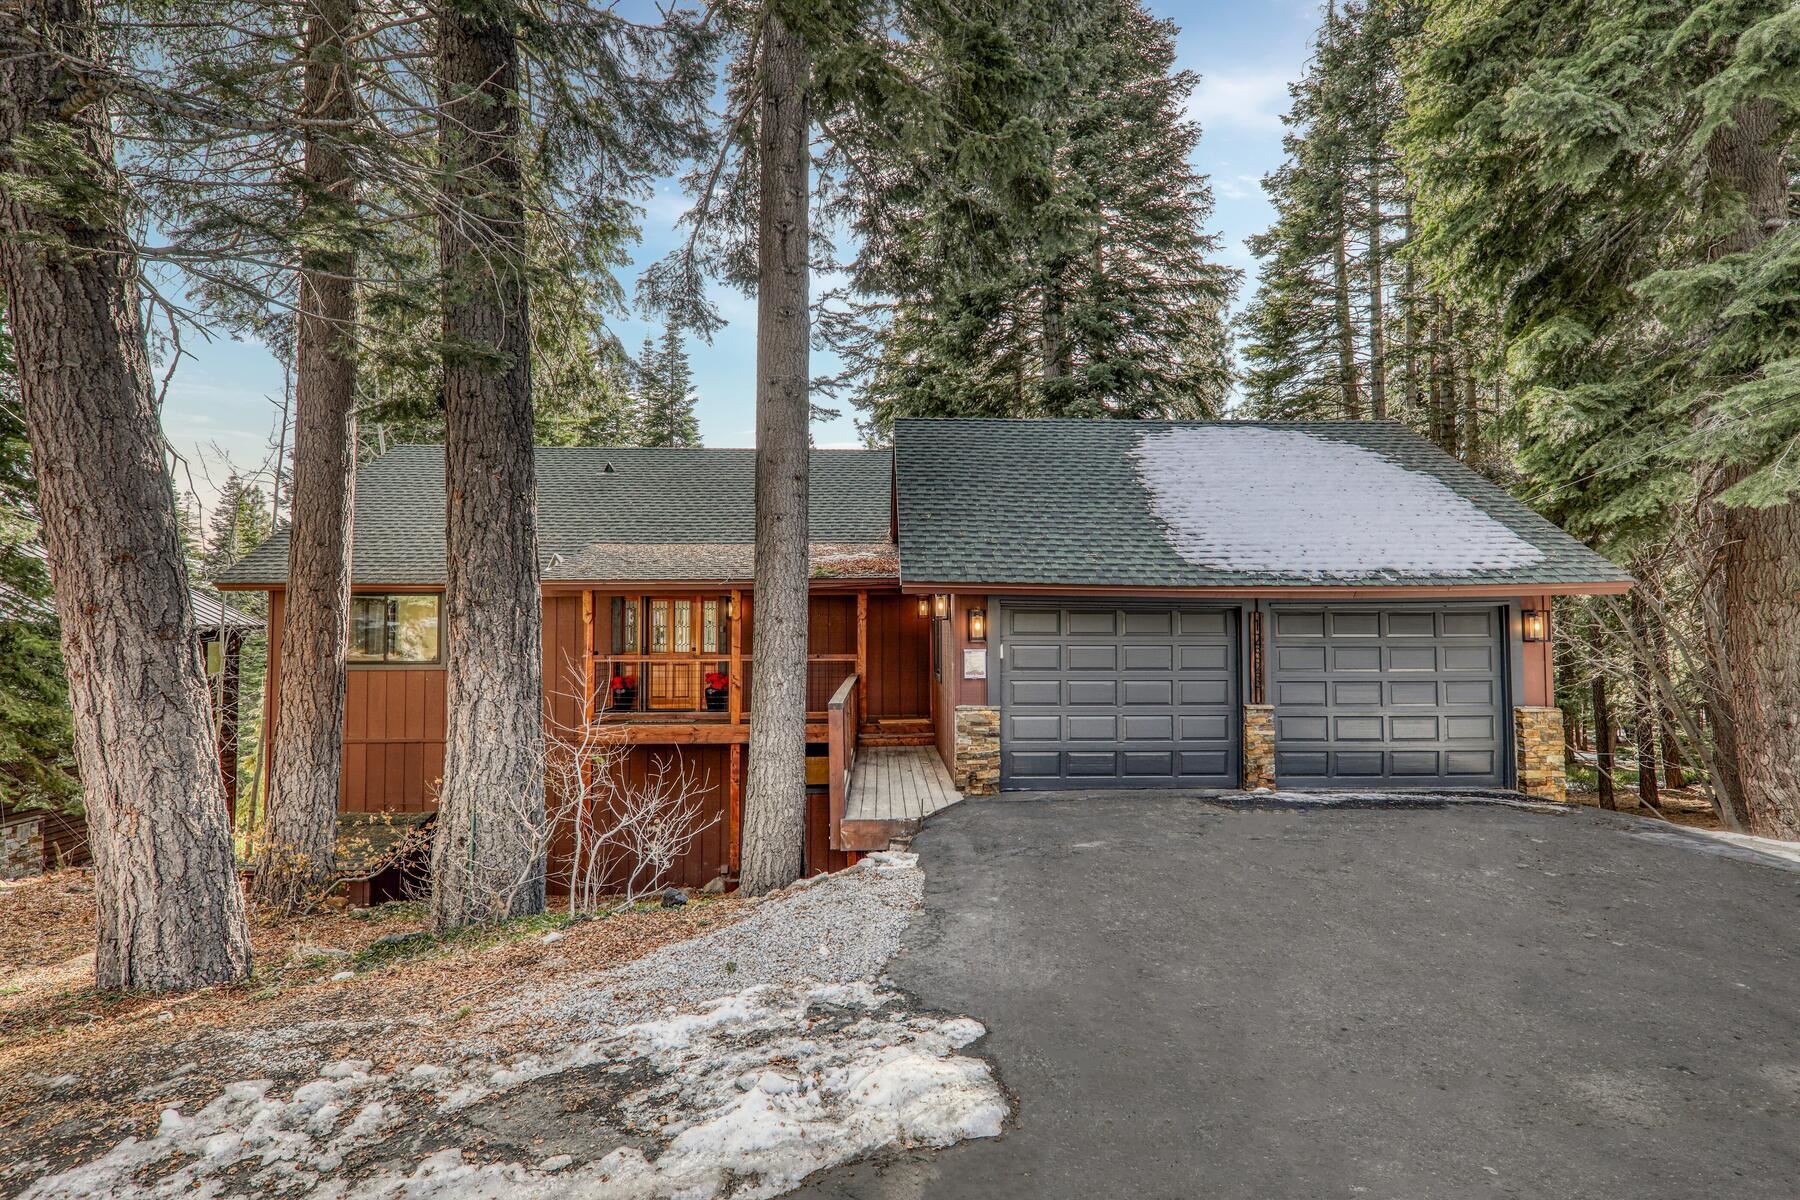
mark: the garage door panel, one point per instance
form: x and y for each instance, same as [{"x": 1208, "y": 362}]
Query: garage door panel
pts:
[
  {"x": 1406, "y": 692},
  {"x": 1022, "y": 693},
  {"x": 1033, "y": 621},
  {"x": 1468, "y": 658},
  {"x": 1159, "y": 692},
  {"x": 1202, "y": 692},
  {"x": 1089, "y": 693},
  {"x": 1144, "y": 727},
  {"x": 1410, "y": 697},
  {"x": 1092, "y": 728},
  {"x": 1139, "y": 697},
  {"x": 1093, "y": 624},
  {"x": 1362, "y": 693},
  {"x": 1035, "y": 656},
  {"x": 1469, "y": 762},
  {"x": 1412, "y": 658},
  {"x": 1300, "y": 624},
  {"x": 1160, "y": 624},
  {"x": 1300, "y": 691},
  {"x": 1034, "y": 728},
  {"x": 1458, "y": 692}
]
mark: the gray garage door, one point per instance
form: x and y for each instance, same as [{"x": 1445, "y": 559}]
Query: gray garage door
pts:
[
  {"x": 1399, "y": 698},
  {"x": 1118, "y": 697}
]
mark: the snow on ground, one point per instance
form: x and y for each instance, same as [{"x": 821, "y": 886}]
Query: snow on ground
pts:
[
  {"x": 794, "y": 1059},
  {"x": 1770, "y": 852},
  {"x": 1252, "y": 498}
]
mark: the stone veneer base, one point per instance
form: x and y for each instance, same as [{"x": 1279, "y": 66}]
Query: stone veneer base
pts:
[
  {"x": 1259, "y": 747},
  {"x": 976, "y": 771},
  {"x": 1538, "y": 735}
]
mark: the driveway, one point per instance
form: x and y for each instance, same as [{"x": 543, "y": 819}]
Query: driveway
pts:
[{"x": 1193, "y": 999}]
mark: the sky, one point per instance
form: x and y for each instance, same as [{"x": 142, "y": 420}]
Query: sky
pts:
[{"x": 222, "y": 402}]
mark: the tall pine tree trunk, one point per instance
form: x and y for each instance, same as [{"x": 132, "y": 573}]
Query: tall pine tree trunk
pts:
[
  {"x": 1377, "y": 313},
  {"x": 1673, "y": 774},
  {"x": 1759, "y": 548},
  {"x": 1409, "y": 302},
  {"x": 1603, "y": 730},
  {"x": 169, "y": 911},
  {"x": 488, "y": 856},
  {"x": 1470, "y": 434},
  {"x": 1643, "y": 694},
  {"x": 1346, "y": 327},
  {"x": 299, "y": 845},
  {"x": 775, "y": 791}
]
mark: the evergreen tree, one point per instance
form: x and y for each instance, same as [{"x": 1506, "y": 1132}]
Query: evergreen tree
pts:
[
  {"x": 37, "y": 752},
  {"x": 1052, "y": 260},
  {"x": 1617, "y": 180},
  {"x": 240, "y": 522},
  {"x": 665, "y": 400}
]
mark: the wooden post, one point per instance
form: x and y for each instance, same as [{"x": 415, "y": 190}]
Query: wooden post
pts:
[
  {"x": 588, "y": 692},
  {"x": 862, "y": 656},
  {"x": 734, "y": 685},
  {"x": 734, "y": 805}
]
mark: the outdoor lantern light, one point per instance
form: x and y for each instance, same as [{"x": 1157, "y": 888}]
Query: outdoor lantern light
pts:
[
  {"x": 1537, "y": 625},
  {"x": 978, "y": 624},
  {"x": 940, "y": 606},
  {"x": 924, "y": 608},
  {"x": 731, "y": 608}
]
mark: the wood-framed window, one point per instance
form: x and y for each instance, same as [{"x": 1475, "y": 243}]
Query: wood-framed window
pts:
[
  {"x": 664, "y": 651},
  {"x": 404, "y": 628}
]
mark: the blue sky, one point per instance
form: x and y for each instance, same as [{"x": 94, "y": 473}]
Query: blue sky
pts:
[{"x": 219, "y": 403}]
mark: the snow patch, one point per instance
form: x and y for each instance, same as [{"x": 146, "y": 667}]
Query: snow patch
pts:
[{"x": 1282, "y": 501}]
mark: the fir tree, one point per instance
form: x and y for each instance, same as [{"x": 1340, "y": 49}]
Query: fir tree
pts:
[
  {"x": 1052, "y": 260},
  {"x": 1617, "y": 180},
  {"x": 665, "y": 400}
]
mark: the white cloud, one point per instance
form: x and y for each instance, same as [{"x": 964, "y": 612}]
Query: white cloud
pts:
[{"x": 1250, "y": 100}]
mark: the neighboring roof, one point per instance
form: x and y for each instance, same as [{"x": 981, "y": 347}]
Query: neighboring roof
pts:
[
  {"x": 592, "y": 502},
  {"x": 710, "y": 561},
  {"x": 1212, "y": 504},
  {"x": 208, "y": 610}
]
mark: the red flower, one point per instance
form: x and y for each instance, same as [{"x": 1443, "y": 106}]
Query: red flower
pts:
[
  {"x": 716, "y": 680},
  {"x": 620, "y": 683}
]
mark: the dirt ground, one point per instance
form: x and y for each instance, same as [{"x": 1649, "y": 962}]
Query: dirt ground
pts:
[
  {"x": 1680, "y": 806},
  {"x": 81, "y": 1068}
]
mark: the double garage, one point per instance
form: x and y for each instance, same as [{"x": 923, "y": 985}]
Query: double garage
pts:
[{"x": 1096, "y": 695}]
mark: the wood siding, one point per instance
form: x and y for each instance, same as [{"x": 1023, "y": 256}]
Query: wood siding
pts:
[
  {"x": 899, "y": 656},
  {"x": 393, "y": 739}
]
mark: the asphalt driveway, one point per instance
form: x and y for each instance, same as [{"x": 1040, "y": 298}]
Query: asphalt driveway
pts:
[{"x": 1191, "y": 999}]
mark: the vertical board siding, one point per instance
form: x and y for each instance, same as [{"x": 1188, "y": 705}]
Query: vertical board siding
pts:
[
  {"x": 393, "y": 739},
  {"x": 707, "y": 856},
  {"x": 899, "y": 658}
]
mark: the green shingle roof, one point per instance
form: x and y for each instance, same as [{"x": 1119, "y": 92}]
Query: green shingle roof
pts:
[
  {"x": 1199, "y": 504},
  {"x": 649, "y": 497}
]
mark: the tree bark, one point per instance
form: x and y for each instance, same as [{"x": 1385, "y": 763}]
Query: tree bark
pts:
[
  {"x": 1643, "y": 695},
  {"x": 488, "y": 855},
  {"x": 1377, "y": 314},
  {"x": 1758, "y": 548},
  {"x": 1347, "y": 373},
  {"x": 170, "y": 914},
  {"x": 1409, "y": 301},
  {"x": 1603, "y": 741},
  {"x": 775, "y": 792},
  {"x": 1673, "y": 774},
  {"x": 1470, "y": 434},
  {"x": 299, "y": 851}
]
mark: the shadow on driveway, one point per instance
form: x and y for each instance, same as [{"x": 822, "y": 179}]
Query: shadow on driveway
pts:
[{"x": 1191, "y": 999}]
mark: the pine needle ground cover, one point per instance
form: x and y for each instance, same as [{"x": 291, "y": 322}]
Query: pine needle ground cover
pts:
[{"x": 724, "y": 1048}]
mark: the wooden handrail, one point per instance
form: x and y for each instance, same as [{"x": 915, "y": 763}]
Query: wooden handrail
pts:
[{"x": 842, "y": 719}]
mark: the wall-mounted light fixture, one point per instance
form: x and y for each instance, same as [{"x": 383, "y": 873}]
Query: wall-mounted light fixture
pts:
[
  {"x": 978, "y": 624},
  {"x": 1536, "y": 623},
  {"x": 731, "y": 608},
  {"x": 940, "y": 606},
  {"x": 924, "y": 607}
]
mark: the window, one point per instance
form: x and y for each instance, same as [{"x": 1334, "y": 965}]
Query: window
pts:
[
  {"x": 709, "y": 627},
  {"x": 624, "y": 625},
  {"x": 395, "y": 628}
]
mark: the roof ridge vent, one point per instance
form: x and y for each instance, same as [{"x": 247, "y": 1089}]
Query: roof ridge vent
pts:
[{"x": 606, "y": 468}]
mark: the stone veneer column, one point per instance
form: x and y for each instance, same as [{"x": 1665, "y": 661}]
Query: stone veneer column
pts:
[
  {"x": 976, "y": 771},
  {"x": 1538, "y": 734},
  {"x": 1259, "y": 746},
  {"x": 22, "y": 848}
]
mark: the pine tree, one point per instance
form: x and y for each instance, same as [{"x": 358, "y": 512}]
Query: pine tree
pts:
[
  {"x": 37, "y": 752},
  {"x": 1047, "y": 254},
  {"x": 665, "y": 400},
  {"x": 1617, "y": 179}
]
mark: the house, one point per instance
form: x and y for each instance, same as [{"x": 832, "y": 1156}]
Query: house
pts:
[{"x": 1050, "y": 605}]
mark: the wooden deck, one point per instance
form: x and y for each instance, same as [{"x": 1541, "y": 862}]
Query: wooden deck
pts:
[{"x": 892, "y": 790}]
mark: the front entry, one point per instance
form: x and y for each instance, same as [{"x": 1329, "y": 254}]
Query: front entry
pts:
[{"x": 1097, "y": 696}]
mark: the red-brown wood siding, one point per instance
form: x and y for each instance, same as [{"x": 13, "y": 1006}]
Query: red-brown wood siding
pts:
[
  {"x": 899, "y": 658},
  {"x": 1538, "y": 687},
  {"x": 709, "y": 854},
  {"x": 820, "y": 857},
  {"x": 393, "y": 739}
]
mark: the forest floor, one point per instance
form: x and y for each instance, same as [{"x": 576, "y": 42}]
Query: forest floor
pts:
[
  {"x": 1689, "y": 806},
  {"x": 725, "y": 1047}
]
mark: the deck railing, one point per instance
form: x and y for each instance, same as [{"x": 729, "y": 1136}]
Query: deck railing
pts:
[
  {"x": 841, "y": 719},
  {"x": 690, "y": 684}
]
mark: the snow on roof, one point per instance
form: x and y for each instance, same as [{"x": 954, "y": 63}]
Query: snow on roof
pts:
[{"x": 1261, "y": 499}]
